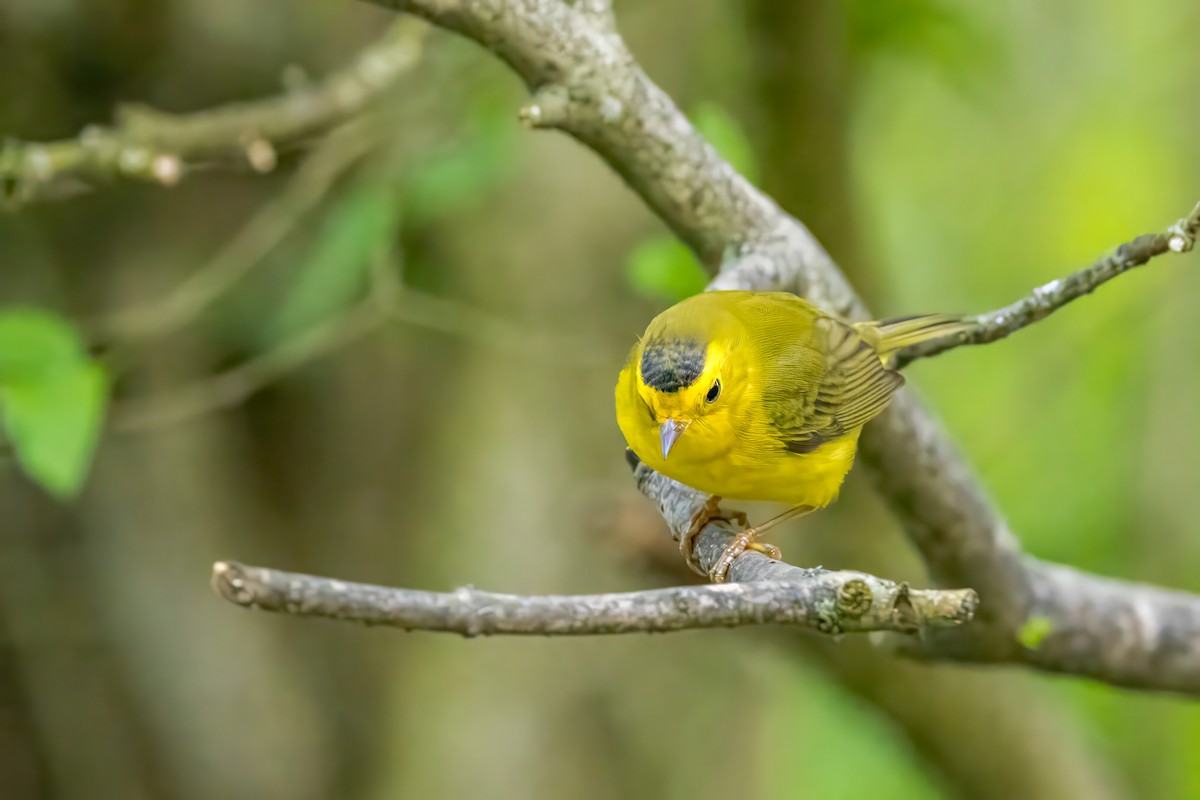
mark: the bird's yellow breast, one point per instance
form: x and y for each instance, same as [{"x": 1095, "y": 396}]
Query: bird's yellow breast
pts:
[
  {"x": 733, "y": 454},
  {"x": 809, "y": 479},
  {"x": 761, "y": 395}
]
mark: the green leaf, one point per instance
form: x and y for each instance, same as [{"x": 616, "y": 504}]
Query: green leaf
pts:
[
  {"x": 52, "y": 398},
  {"x": 663, "y": 268},
  {"x": 461, "y": 173},
  {"x": 334, "y": 272},
  {"x": 35, "y": 341},
  {"x": 726, "y": 136},
  {"x": 1034, "y": 632}
]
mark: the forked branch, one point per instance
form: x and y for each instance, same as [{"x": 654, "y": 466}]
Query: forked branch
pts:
[
  {"x": 1112, "y": 631},
  {"x": 585, "y": 82}
]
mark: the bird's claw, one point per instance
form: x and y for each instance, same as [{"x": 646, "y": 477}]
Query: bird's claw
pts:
[
  {"x": 709, "y": 512},
  {"x": 741, "y": 543},
  {"x": 687, "y": 542}
]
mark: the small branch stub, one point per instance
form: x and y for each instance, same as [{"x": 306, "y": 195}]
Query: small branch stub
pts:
[
  {"x": 1183, "y": 233},
  {"x": 548, "y": 108},
  {"x": 166, "y": 169},
  {"x": 261, "y": 155}
]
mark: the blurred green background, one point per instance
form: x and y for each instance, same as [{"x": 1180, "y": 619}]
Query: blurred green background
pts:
[{"x": 950, "y": 155}]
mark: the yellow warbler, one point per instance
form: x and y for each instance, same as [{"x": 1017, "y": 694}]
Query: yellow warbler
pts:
[{"x": 759, "y": 396}]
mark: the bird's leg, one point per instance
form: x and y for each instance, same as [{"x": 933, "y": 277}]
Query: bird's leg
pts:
[
  {"x": 745, "y": 541},
  {"x": 711, "y": 511}
]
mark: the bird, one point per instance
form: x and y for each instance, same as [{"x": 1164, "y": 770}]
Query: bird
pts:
[{"x": 760, "y": 396}]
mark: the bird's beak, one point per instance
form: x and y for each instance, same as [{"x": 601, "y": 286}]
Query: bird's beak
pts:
[{"x": 669, "y": 433}]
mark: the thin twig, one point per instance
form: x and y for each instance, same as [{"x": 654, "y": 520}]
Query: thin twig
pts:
[
  {"x": 234, "y": 386},
  {"x": 249, "y": 247},
  {"x": 1045, "y": 300},
  {"x": 387, "y": 301},
  {"x": 495, "y": 333},
  {"x": 828, "y": 602},
  {"x": 150, "y": 145}
]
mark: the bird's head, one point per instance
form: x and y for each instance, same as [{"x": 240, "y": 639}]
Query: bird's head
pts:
[{"x": 685, "y": 383}]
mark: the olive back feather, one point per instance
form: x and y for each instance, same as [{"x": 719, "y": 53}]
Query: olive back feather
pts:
[
  {"x": 891, "y": 335},
  {"x": 856, "y": 383}
]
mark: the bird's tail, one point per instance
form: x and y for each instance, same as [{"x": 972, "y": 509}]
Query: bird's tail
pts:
[{"x": 889, "y": 335}]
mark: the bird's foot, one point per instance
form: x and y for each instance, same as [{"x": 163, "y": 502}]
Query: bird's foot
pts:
[
  {"x": 745, "y": 541},
  {"x": 711, "y": 511},
  {"x": 741, "y": 543}
]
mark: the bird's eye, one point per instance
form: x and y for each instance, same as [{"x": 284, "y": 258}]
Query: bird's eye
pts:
[{"x": 714, "y": 392}]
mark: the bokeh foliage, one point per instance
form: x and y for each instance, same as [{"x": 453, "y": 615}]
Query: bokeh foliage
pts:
[
  {"x": 52, "y": 398},
  {"x": 967, "y": 153}
]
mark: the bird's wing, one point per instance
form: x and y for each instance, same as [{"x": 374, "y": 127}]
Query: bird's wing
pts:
[{"x": 827, "y": 386}]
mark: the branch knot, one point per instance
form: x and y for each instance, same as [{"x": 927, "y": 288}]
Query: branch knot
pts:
[{"x": 854, "y": 598}]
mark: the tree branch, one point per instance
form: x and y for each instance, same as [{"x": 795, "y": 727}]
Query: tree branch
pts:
[
  {"x": 1125, "y": 633},
  {"x": 249, "y": 247},
  {"x": 829, "y": 602},
  {"x": 149, "y": 145},
  {"x": 236, "y": 385},
  {"x": 602, "y": 97},
  {"x": 1048, "y": 298},
  {"x": 388, "y": 300}
]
